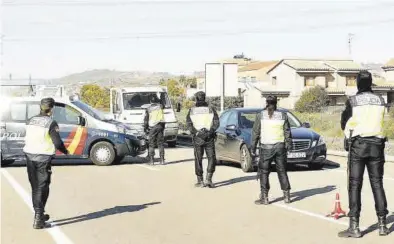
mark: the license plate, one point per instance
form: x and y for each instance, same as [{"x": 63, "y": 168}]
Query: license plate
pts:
[{"x": 296, "y": 155}]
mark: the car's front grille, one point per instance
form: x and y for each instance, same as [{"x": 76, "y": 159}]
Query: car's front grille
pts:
[{"x": 299, "y": 145}]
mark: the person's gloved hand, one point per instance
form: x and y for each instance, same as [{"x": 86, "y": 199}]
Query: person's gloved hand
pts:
[
  {"x": 289, "y": 146},
  {"x": 253, "y": 151},
  {"x": 203, "y": 133}
]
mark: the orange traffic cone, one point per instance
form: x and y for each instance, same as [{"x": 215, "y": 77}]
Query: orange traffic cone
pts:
[{"x": 337, "y": 209}]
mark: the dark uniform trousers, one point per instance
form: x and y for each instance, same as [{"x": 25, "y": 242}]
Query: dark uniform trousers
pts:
[
  {"x": 209, "y": 148},
  {"x": 156, "y": 136},
  {"x": 277, "y": 153},
  {"x": 366, "y": 153},
  {"x": 39, "y": 173}
]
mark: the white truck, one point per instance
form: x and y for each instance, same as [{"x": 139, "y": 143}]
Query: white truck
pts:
[{"x": 128, "y": 105}]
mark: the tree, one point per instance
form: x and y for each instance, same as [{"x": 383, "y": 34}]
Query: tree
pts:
[
  {"x": 312, "y": 100},
  {"x": 95, "y": 96}
]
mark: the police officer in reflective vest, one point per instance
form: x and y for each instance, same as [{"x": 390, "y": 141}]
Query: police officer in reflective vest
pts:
[
  {"x": 41, "y": 141},
  {"x": 202, "y": 122},
  {"x": 272, "y": 129},
  {"x": 363, "y": 118},
  {"x": 154, "y": 126}
]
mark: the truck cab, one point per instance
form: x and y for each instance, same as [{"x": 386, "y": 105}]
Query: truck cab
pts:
[{"x": 128, "y": 105}]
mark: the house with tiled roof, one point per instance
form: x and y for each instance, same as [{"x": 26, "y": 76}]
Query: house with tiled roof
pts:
[
  {"x": 389, "y": 70},
  {"x": 290, "y": 77},
  {"x": 254, "y": 74}
]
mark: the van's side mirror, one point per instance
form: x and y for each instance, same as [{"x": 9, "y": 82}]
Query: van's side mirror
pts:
[
  {"x": 81, "y": 121},
  {"x": 306, "y": 125},
  {"x": 178, "y": 107}
]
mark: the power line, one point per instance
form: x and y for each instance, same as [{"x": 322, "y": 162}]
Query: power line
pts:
[{"x": 200, "y": 33}]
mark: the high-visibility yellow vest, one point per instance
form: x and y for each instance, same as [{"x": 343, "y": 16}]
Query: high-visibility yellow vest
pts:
[
  {"x": 202, "y": 117},
  {"x": 272, "y": 128},
  {"x": 367, "y": 116},
  {"x": 37, "y": 139},
  {"x": 156, "y": 115}
]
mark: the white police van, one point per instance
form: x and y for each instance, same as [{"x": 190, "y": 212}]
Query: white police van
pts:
[{"x": 86, "y": 132}]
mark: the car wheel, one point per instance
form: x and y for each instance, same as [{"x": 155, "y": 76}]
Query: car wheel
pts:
[
  {"x": 119, "y": 159},
  {"x": 315, "y": 166},
  {"x": 246, "y": 159},
  {"x": 171, "y": 144},
  {"x": 102, "y": 153}
]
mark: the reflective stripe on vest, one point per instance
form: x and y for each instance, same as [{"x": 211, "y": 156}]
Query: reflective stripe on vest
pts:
[
  {"x": 202, "y": 117},
  {"x": 272, "y": 128},
  {"x": 367, "y": 116},
  {"x": 156, "y": 115},
  {"x": 37, "y": 139}
]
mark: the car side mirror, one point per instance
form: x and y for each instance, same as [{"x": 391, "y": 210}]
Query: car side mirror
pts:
[
  {"x": 231, "y": 127},
  {"x": 81, "y": 121},
  {"x": 306, "y": 125},
  {"x": 178, "y": 107}
]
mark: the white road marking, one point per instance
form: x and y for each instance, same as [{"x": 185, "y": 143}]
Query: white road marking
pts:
[
  {"x": 153, "y": 168},
  {"x": 332, "y": 220},
  {"x": 57, "y": 235}
]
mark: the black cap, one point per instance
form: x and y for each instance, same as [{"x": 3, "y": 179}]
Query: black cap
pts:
[
  {"x": 364, "y": 81},
  {"x": 47, "y": 103},
  {"x": 200, "y": 96},
  {"x": 271, "y": 100}
]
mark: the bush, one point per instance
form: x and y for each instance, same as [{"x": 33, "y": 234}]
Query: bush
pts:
[
  {"x": 187, "y": 104},
  {"x": 229, "y": 102},
  {"x": 391, "y": 112},
  {"x": 312, "y": 100},
  {"x": 95, "y": 96}
]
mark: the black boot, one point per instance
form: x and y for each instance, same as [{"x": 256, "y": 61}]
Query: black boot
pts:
[
  {"x": 383, "y": 230},
  {"x": 200, "y": 182},
  {"x": 209, "y": 180},
  {"x": 263, "y": 200},
  {"x": 39, "y": 221},
  {"x": 353, "y": 231},
  {"x": 286, "y": 196},
  {"x": 151, "y": 160}
]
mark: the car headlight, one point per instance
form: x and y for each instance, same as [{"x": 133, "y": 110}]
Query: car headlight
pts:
[
  {"x": 133, "y": 132},
  {"x": 321, "y": 141}
]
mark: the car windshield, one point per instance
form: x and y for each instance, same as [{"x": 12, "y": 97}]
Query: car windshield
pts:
[
  {"x": 138, "y": 100},
  {"x": 246, "y": 120},
  {"x": 91, "y": 111}
]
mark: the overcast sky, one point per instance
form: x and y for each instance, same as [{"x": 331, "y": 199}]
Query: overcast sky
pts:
[{"x": 51, "y": 39}]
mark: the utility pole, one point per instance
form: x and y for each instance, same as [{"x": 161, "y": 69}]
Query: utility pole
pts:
[{"x": 350, "y": 39}]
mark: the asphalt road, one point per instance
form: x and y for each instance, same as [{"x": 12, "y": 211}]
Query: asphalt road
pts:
[{"x": 137, "y": 203}]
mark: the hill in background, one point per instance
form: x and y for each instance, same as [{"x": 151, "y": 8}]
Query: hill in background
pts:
[{"x": 107, "y": 78}]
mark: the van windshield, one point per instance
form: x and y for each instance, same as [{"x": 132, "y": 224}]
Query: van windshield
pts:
[
  {"x": 89, "y": 110},
  {"x": 139, "y": 100}
]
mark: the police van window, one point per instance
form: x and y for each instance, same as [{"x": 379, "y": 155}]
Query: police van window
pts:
[
  {"x": 33, "y": 109},
  {"x": 18, "y": 112},
  {"x": 64, "y": 114}
]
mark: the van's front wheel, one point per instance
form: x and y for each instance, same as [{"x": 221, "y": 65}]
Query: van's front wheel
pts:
[{"x": 102, "y": 153}]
